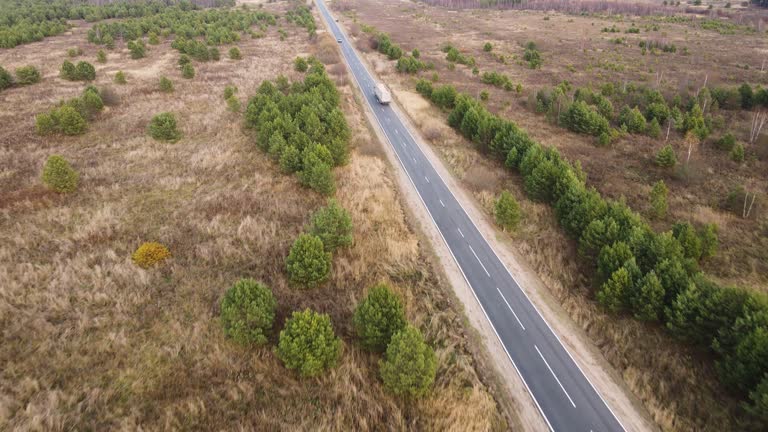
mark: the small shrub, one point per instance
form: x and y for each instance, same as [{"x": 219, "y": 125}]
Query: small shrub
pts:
[
  {"x": 332, "y": 225},
  {"x": 580, "y": 117},
  {"x": 92, "y": 101},
  {"x": 308, "y": 264},
  {"x": 150, "y": 254},
  {"x": 484, "y": 95},
  {"x": 229, "y": 91},
  {"x": 120, "y": 78},
  {"x": 234, "y": 53},
  {"x": 166, "y": 85},
  {"x": 726, "y": 142},
  {"x": 737, "y": 153},
  {"x": 184, "y": 59},
  {"x": 137, "y": 48},
  {"x": 68, "y": 71},
  {"x": 532, "y": 56},
  {"x": 424, "y": 88},
  {"x": 233, "y": 104},
  {"x": 487, "y": 47},
  {"x": 378, "y": 317},
  {"x": 27, "y": 75},
  {"x": 308, "y": 344},
  {"x": 74, "y": 52},
  {"x": 290, "y": 160},
  {"x": 410, "y": 365},
  {"x": 69, "y": 121},
  {"x": 247, "y": 312},
  {"x": 45, "y": 124},
  {"x": 507, "y": 211},
  {"x": 214, "y": 54},
  {"x": 613, "y": 292},
  {"x": 101, "y": 56},
  {"x": 666, "y": 158},
  {"x": 632, "y": 119},
  {"x": 6, "y": 80},
  {"x": 188, "y": 71},
  {"x": 163, "y": 127},
  {"x": 659, "y": 194},
  {"x": 59, "y": 175},
  {"x": 316, "y": 172},
  {"x": 153, "y": 39},
  {"x": 85, "y": 71},
  {"x": 604, "y": 139},
  {"x": 654, "y": 129},
  {"x": 300, "y": 65},
  {"x": 444, "y": 96}
]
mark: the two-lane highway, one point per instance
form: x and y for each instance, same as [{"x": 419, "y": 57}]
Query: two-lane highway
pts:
[{"x": 562, "y": 393}]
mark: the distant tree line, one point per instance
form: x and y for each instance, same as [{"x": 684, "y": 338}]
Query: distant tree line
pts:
[
  {"x": 216, "y": 26},
  {"x": 652, "y": 276},
  {"x": 28, "y": 21}
]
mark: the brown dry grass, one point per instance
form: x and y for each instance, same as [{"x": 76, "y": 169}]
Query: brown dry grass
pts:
[
  {"x": 90, "y": 341},
  {"x": 677, "y": 385}
]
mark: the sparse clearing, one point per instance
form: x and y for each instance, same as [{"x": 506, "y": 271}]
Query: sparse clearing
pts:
[
  {"x": 90, "y": 341},
  {"x": 675, "y": 382}
]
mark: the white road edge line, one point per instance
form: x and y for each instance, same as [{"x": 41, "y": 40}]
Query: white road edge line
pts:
[
  {"x": 510, "y": 308},
  {"x": 474, "y": 294},
  {"x": 478, "y": 260},
  {"x": 553, "y": 374}
]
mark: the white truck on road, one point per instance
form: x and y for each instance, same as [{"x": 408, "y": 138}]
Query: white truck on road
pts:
[{"x": 382, "y": 94}]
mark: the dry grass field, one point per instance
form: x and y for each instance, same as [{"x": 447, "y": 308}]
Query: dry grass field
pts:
[
  {"x": 677, "y": 385},
  {"x": 92, "y": 342}
]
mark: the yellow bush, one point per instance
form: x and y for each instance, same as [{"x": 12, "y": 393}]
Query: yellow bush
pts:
[{"x": 149, "y": 254}]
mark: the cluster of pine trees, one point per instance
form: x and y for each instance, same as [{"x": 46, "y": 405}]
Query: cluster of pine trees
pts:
[{"x": 300, "y": 125}]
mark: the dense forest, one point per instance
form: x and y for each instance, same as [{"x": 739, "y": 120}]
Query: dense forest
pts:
[{"x": 23, "y": 22}]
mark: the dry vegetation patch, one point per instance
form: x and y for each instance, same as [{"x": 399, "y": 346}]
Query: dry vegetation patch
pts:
[{"x": 91, "y": 341}]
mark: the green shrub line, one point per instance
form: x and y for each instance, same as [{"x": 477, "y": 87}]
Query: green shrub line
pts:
[
  {"x": 25, "y": 75},
  {"x": 302, "y": 16},
  {"x": 654, "y": 276}
]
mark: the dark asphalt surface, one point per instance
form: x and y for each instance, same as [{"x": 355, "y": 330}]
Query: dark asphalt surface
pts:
[{"x": 564, "y": 396}]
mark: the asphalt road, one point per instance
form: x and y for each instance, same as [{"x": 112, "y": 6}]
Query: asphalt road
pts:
[{"x": 563, "y": 394}]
